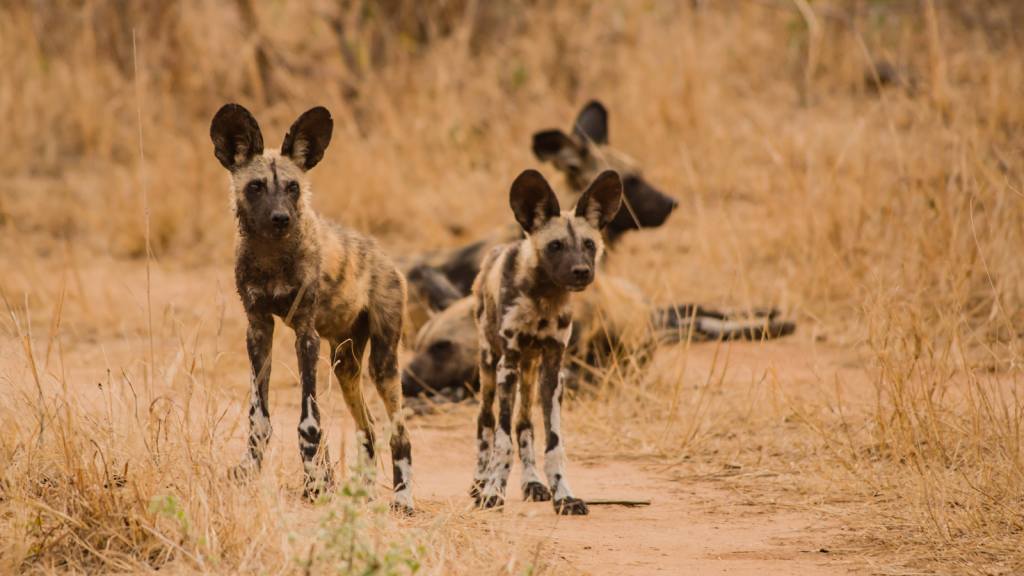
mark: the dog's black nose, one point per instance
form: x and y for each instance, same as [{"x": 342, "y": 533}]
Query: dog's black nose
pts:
[
  {"x": 281, "y": 219},
  {"x": 581, "y": 272}
]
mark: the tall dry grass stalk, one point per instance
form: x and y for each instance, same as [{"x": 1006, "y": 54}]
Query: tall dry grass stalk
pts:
[{"x": 885, "y": 219}]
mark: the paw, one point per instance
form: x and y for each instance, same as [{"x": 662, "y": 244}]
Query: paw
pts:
[
  {"x": 494, "y": 501},
  {"x": 536, "y": 492},
  {"x": 476, "y": 490},
  {"x": 570, "y": 506},
  {"x": 315, "y": 488},
  {"x": 243, "y": 473},
  {"x": 404, "y": 507}
]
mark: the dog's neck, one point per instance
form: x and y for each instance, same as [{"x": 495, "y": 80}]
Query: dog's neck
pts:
[{"x": 273, "y": 256}]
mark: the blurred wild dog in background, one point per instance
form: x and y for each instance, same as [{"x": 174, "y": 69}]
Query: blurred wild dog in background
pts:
[{"x": 322, "y": 280}]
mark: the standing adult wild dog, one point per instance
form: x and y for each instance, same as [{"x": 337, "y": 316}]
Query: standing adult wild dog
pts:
[
  {"x": 524, "y": 316},
  {"x": 321, "y": 279}
]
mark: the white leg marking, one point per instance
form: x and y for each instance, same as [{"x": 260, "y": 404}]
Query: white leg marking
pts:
[
  {"x": 484, "y": 447},
  {"x": 403, "y": 496},
  {"x": 501, "y": 461},
  {"x": 528, "y": 456},
  {"x": 554, "y": 460}
]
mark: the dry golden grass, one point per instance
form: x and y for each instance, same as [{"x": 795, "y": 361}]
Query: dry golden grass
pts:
[{"x": 887, "y": 223}]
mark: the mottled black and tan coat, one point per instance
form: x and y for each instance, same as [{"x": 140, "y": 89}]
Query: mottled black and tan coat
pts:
[
  {"x": 524, "y": 318},
  {"x": 322, "y": 280}
]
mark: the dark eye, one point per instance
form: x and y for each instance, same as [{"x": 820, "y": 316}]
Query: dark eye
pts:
[
  {"x": 255, "y": 186},
  {"x": 589, "y": 244},
  {"x": 293, "y": 187},
  {"x": 554, "y": 245}
]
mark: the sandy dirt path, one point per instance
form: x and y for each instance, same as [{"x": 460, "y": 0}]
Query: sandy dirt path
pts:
[{"x": 691, "y": 527}]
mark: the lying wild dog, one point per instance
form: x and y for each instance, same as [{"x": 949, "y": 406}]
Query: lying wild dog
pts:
[
  {"x": 581, "y": 156},
  {"x": 524, "y": 316},
  {"x": 612, "y": 316},
  {"x": 321, "y": 279},
  {"x": 585, "y": 153}
]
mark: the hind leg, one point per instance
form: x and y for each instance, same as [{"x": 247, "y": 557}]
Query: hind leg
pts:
[
  {"x": 346, "y": 356},
  {"x": 485, "y": 421},
  {"x": 533, "y": 487},
  {"x": 385, "y": 340},
  {"x": 507, "y": 383}
]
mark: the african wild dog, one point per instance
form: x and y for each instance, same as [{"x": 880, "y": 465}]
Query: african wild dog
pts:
[
  {"x": 321, "y": 279},
  {"x": 585, "y": 153},
  {"x": 524, "y": 316}
]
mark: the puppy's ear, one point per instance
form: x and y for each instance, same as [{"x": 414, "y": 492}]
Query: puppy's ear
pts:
[
  {"x": 533, "y": 202},
  {"x": 592, "y": 124},
  {"x": 602, "y": 200},
  {"x": 308, "y": 137},
  {"x": 236, "y": 136}
]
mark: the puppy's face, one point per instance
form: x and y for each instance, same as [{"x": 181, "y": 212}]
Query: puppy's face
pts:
[
  {"x": 268, "y": 185},
  {"x": 566, "y": 245}
]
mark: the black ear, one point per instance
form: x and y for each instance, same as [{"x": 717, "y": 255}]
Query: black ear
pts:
[
  {"x": 601, "y": 201},
  {"x": 592, "y": 124},
  {"x": 550, "y": 144},
  {"x": 308, "y": 137},
  {"x": 533, "y": 201},
  {"x": 236, "y": 136}
]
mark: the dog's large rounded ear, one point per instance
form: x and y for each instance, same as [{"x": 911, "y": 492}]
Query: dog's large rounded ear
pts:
[
  {"x": 602, "y": 200},
  {"x": 308, "y": 138},
  {"x": 592, "y": 124},
  {"x": 236, "y": 136},
  {"x": 551, "y": 144},
  {"x": 533, "y": 201}
]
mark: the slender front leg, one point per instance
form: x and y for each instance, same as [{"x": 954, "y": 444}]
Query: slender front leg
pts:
[
  {"x": 485, "y": 422},
  {"x": 507, "y": 380},
  {"x": 259, "y": 341},
  {"x": 551, "y": 388},
  {"x": 315, "y": 463},
  {"x": 533, "y": 487}
]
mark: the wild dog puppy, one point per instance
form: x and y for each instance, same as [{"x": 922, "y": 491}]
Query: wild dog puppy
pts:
[
  {"x": 524, "y": 317},
  {"x": 323, "y": 280}
]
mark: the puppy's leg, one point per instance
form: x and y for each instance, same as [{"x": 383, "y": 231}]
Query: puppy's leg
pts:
[
  {"x": 533, "y": 487},
  {"x": 485, "y": 422},
  {"x": 551, "y": 388},
  {"x": 259, "y": 341},
  {"x": 507, "y": 380},
  {"x": 384, "y": 344},
  {"x": 319, "y": 476}
]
